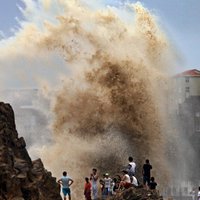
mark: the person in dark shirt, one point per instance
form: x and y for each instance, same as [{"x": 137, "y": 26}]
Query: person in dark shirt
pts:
[
  {"x": 146, "y": 172},
  {"x": 152, "y": 184}
]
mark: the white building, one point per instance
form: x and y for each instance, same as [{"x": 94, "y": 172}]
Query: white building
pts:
[{"x": 187, "y": 84}]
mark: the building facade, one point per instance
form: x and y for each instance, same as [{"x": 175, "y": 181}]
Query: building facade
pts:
[
  {"x": 187, "y": 84},
  {"x": 186, "y": 97},
  {"x": 186, "y": 101}
]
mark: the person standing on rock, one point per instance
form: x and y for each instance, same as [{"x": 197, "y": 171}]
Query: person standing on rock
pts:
[
  {"x": 94, "y": 177},
  {"x": 107, "y": 186},
  {"x": 146, "y": 171},
  {"x": 131, "y": 168},
  {"x": 87, "y": 189},
  {"x": 66, "y": 182}
]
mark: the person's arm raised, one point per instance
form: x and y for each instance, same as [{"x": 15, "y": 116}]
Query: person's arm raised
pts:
[{"x": 96, "y": 177}]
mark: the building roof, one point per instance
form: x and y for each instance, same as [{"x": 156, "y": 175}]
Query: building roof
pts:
[{"x": 192, "y": 72}]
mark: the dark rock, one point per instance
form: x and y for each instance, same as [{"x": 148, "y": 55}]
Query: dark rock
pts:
[
  {"x": 137, "y": 194},
  {"x": 20, "y": 177}
]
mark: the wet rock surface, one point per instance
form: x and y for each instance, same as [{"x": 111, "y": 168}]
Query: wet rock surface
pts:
[
  {"x": 137, "y": 194},
  {"x": 20, "y": 177}
]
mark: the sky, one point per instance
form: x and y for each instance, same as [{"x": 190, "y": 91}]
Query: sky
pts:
[{"x": 179, "y": 19}]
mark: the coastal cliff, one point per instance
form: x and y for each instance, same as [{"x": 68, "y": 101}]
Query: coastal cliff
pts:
[{"x": 20, "y": 177}]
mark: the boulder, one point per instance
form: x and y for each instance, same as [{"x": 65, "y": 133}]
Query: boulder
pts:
[
  {"x": 20, "y": 177},
  {"x": 137, "y": 194}
]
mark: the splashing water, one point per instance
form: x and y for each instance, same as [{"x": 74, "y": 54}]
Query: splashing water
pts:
[{"x": 109, "y": 102}]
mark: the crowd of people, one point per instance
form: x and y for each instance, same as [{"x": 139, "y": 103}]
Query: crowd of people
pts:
[{"x": 111, "y": 186}]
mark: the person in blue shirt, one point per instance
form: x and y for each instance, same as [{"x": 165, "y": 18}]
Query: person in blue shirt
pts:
[{"x": 66, "y": 182}]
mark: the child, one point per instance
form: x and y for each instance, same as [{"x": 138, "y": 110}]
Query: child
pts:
[
  {"x": 152, "y": 184},
  {"x": 87, "y": 189}
]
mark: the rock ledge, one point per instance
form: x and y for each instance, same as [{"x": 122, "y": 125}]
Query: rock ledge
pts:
[{"x": 20, "y": 177}]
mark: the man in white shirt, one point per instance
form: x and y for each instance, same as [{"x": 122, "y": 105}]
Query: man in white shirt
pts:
[
  {"x": 66, "y": 182},
  {"x": 107, "y": 186},
  {"x": 131, "y": 168},
  {"x": 198, "y": 195}
]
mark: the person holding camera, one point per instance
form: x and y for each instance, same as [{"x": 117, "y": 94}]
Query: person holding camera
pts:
[{"x": 94, "y": 177}]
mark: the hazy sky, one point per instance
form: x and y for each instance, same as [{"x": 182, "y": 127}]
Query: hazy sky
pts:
[{"x": 179, "y": 18}]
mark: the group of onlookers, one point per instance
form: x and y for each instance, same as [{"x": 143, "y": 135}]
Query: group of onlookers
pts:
[{"x": 110, "y": 186}]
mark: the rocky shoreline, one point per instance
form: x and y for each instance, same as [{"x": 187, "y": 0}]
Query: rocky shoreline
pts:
[
  {"x": 20, "y": 177},
  {"x": 24, "y": 179},
  {"x": 137, "y": 194}
]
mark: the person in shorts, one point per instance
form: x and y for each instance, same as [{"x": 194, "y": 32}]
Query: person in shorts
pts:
[{"x": 65, "y": 181}]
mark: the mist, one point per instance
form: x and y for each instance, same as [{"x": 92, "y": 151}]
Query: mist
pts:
[{"x": 103, "y": 73}]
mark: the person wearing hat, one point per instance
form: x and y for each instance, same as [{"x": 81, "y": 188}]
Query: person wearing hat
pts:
[
  {"x": 107, "y": 186},
  {"x": 94, "y": 177}
]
